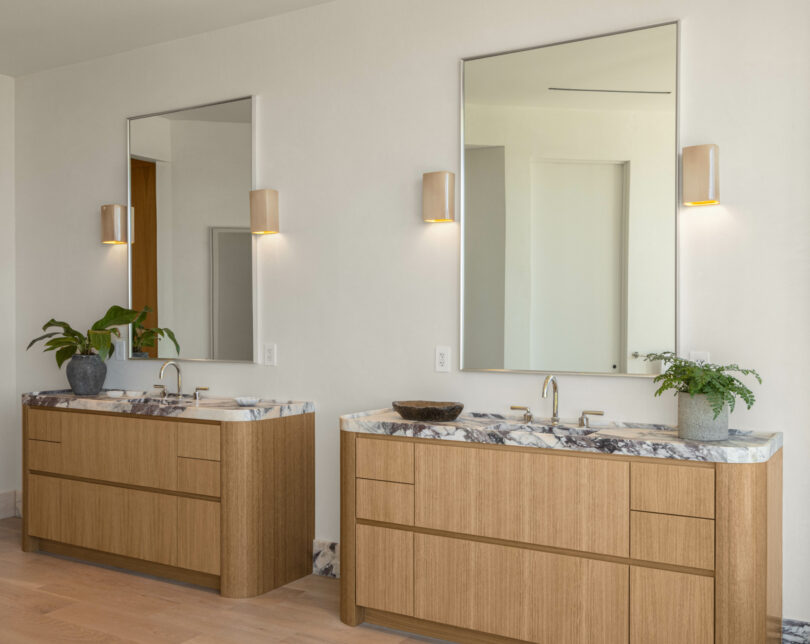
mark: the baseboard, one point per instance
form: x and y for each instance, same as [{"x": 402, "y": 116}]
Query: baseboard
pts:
[
  {"x": 8, "y": 504},
  {"x": 326, "y": 558},
  {"x": 795, "y": 631},
  {"x": 18, "y": 500}
]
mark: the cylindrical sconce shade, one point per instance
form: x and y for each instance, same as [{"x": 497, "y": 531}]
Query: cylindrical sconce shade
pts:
[
  {"x": 264, "y": 212},
  {"x": 439, "y": 196},
  {"x": 701, "y": 175},
  {"x": 113, "y": 224}
]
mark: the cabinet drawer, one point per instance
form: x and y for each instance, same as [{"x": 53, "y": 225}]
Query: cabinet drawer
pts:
[
  {"x": 574, "y": 503},
  {"x": 519, "y": 593},
  {"x": 385, "y": 501},
  {"x": 198, "y": 477},
  {"x": 385, "y": 569},
  {"x": 135, "y": 451},
  {"x": 670, "y": 607},
  {"x": 385, "y": 460},
  {"x": 44, "y": 456},
  {"x": 198, "y": 441},
  {"x": 672, "y": 489},
  {"x": 45, "y": 425},
  {"x": 126, "y": 522},
  {"x": 198, "y": 535},
  {"x": 664, "y": 538}
]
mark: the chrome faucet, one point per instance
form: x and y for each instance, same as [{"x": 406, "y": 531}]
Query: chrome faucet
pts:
[
  {"x": 555, "y": 405},
  {"x": 179, "y": 377}
]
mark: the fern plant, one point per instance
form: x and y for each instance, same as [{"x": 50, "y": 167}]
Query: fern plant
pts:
[{"x": 716, "y": 382}]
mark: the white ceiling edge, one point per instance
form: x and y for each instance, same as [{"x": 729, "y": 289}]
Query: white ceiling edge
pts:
[{"x": 38, "y": 35}]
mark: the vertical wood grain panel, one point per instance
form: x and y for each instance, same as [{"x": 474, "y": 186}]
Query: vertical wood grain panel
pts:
[
  {"x": 144, "y": 246},
  {"x": 492, "y": 489},
  {"x": 43, "y": 515},
  {"x": 350, "y": 613},
  {"x": 665, "y": 538},
  {"x": 385, "y": 459},
  {"x": 517, "y": 593},
  {"x": 385, "y": 569},
  {"x": 242, "y": 569},
  {"x": 198, "y": 477},
  {"x": 198, "y": 441},
  {"x": 742, "y": 553},
  {"x": 45, "y": 425},
  {"x": 385, "y": 501},
  {"x": 198, "y": 535},
  {"x": 289, "y": 497},
  {"x": 44, "y": 456},
  {"x": 670, "y": 607},
  {"x": 673, "y": 489},
  {"x": 774, "y": 535}
]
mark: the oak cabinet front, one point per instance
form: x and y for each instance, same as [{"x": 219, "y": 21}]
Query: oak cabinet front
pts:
[{"x": 559, "y": 501}]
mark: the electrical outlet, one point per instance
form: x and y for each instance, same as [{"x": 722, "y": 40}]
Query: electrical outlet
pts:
[
  {"x": 699, "y": 356},
  {"x": 442, "y": 359},
  {"x": 120, "y": 351},
  {"x": 270, "y": 354}
]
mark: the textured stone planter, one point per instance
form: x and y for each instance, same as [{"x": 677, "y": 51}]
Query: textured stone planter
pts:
[
  {"x": 86, "y": 374},
  {"x": 696, "y": 421}
]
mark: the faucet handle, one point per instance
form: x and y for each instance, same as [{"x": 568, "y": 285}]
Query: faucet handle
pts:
[
  {"x": 197, "y": 391},
  {"x": 162, "y": 389},
  {"x": 584, "y": 421},
  {"x": 527, "y": 413}
]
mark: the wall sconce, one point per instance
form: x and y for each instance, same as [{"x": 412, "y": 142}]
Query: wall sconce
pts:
[
  {"x": 701, "y": 175},
  {"x": 438, "y": 196},
  {"x": 264, "y": 212},
  {"x": 113, "y": 224}
]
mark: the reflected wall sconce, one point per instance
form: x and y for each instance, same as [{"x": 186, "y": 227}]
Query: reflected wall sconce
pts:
[
  {"x": 264, "y": 212},
  {"x": 701, "y": 175},
  {"x": 113, "y": 224},
  {"x": 439, "y": 196}
]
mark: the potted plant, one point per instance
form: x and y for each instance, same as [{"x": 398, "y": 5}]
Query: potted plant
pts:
[
  {"x": 706, "y": 392},
  {"x": 87, "y": 352},
  {"x": 144, "y": 337}
]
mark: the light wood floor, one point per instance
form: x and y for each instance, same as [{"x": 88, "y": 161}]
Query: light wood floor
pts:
[{"x": 50, "y": 599}]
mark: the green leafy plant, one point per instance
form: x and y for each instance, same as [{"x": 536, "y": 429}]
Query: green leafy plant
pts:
[
  {"x": 98, "y": 339},
  {"x": 693, "y": 378},
  {"x": 144, "y": 337}
]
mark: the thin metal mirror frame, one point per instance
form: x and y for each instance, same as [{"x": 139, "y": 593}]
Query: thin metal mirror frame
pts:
[
  {"x": 254, "y": 277},
  {"x": 675, "y": 206}
]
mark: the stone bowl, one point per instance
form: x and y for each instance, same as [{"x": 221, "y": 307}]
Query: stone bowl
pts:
[{"x": 427, "y": 410}]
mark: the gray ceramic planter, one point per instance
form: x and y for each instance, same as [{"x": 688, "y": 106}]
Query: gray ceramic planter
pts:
[
  {"x": 86, "y": 374},
  {"x": 696, "y": 421}
]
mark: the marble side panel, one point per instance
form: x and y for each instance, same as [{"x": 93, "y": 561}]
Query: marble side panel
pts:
[
  {"x": 795, "y": 632},
  {"x": 630, "y": 439},
  {"x": 326, "y": 558},
  {"x": 142, "y": 404}
]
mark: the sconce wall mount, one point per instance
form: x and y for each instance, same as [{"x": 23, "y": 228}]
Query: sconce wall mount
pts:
[
  {"x": 113, "y": 224},
  {"x": 439, "y": 196},
  {"x": 264, "y": 212},
  {"x": 701, "y": 175}
]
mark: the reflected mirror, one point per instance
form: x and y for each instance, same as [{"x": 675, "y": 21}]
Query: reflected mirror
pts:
[
  {"x": 191, "y": 253},
  {"x": 569, "y": 203}
]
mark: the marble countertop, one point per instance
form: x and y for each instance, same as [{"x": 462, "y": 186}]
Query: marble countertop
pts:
[
  {"x": 656, "y": 441},
  {"x": 140, "y": 403}
]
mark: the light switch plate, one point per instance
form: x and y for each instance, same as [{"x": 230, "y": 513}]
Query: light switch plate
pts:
[
  {"x": 699, "y": 356},
  {"x": 270, "y": 354},
  {"x": 120, "y": 351},
  {"x": 442, "y": 359}
]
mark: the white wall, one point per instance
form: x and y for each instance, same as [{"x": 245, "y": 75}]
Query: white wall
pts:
[
  {"x": 357, "y": 99},
  {"x": 9, "y": 406}
]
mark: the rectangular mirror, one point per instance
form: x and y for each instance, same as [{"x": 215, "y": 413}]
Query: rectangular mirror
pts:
[
  {"x": 191, "y": 172},
  {"x": 569, "y": 188}
]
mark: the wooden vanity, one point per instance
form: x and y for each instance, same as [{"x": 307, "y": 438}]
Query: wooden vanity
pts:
[
  {"x": 491, "y": 543},
  {"x": 227, "y": 505}
]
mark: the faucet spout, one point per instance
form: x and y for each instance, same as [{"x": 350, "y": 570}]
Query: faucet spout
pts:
[
  {"x": 555, "y": 404},
  {"x": 179, "y": 376}
]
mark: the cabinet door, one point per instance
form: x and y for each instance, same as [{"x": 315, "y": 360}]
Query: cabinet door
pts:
[
  {"x": 670, "y": 607},
  {"x": 125, "y": 522},
  {"x": 198, "y": 535},
  {"x": 385, "y": 569},
  {"x": 518, "y": 593},
  {"x": 567, "y": 502}
]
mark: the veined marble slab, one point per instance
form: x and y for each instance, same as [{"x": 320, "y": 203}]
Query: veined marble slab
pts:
[
  {"x": 657, "y": 441},
  {"x": 140, "y": 404}
]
